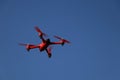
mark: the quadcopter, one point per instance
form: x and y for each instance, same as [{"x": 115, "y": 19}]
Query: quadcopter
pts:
[{"x": 45, "y": 45}]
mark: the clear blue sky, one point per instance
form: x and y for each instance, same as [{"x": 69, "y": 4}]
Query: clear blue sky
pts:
[{"x": 93, "y": 27}]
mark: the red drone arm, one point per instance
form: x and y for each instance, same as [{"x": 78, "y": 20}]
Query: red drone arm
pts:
[{"x": 40, "y": 33}]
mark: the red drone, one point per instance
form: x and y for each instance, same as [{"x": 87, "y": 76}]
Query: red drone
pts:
[{"x": 45, "y": 44}]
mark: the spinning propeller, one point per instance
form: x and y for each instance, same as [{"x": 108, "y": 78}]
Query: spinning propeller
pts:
[
  {"x": 23, "y": 44},
  {"x": 40, "y": 33},
  {"x": 27, "y": 46},
  {"x": 63, "y": 40}
]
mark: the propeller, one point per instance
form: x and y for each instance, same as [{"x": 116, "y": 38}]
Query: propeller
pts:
[
  {"x": 22, "y": 44},
  {"x": 27, "y": 46},
  {"x": 64, "y": 40},
  {"x": 39, "y": 31}
]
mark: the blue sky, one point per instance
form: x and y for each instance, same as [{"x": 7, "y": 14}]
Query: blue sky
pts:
[{"x": 92, "y": 26}]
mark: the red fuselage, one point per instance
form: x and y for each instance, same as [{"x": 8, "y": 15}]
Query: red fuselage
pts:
[{"x": 44, "y": 45}]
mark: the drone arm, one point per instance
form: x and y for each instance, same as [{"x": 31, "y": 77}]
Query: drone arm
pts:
[
  {"x": 28, "y": 47},
  {"x": 48, "y": 50},
  {"x": 32, "y": 46},
  {"x": 41, "y": 37}
]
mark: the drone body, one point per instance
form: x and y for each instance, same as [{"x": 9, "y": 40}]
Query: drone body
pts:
[{"x": 45, "y": 44}]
